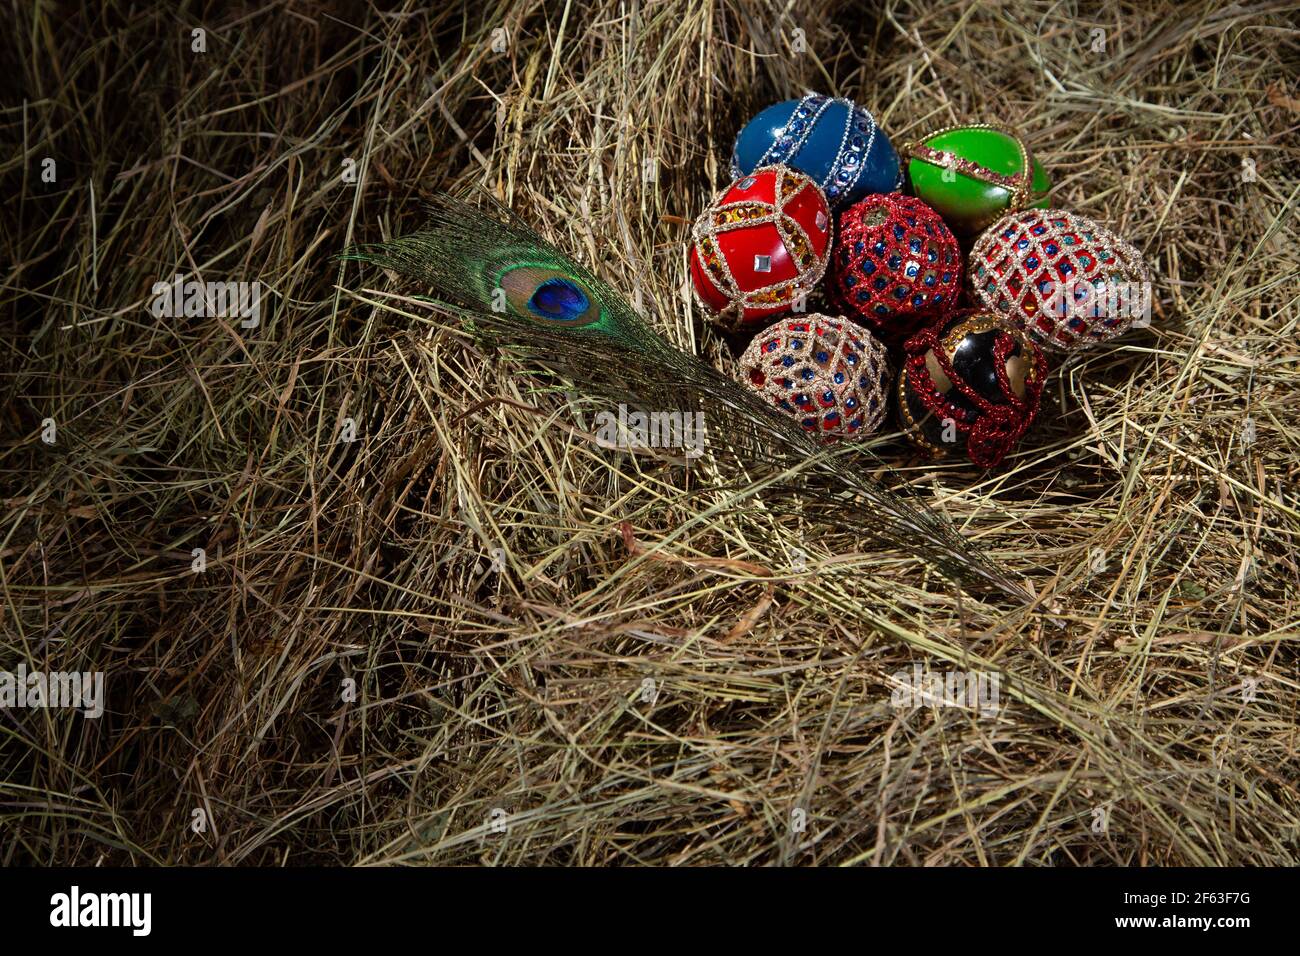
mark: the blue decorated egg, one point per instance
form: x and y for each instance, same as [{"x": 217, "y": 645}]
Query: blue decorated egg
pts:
[{"x": 833, "y": 140}]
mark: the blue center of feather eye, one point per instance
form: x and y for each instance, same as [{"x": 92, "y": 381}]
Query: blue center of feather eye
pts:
[{"x": 559, "y": 299}]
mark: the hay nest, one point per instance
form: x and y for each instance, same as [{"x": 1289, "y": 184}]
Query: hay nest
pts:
[{"x": 470, "y": 633}]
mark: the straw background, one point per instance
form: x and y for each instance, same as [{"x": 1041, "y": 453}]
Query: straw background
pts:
[{"x": 1161, "y": 696}]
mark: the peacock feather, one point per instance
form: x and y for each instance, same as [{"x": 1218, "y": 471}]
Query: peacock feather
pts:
[{"x": 483, "y": 265}]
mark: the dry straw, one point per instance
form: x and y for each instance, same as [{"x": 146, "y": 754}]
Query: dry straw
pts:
[{"x": 565, "y": 654}]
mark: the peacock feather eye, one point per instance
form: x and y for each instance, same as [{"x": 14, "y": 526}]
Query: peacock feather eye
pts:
[
  {"x": 559, "y": 299},
  {"x": 549, "y": 295}
]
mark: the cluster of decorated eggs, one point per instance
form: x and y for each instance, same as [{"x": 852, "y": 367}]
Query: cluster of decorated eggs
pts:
[{"x": 817, "y": 195}]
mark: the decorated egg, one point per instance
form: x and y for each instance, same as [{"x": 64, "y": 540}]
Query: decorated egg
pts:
[
  {"x": 971, "y": 175},
  {"x": 1064, "y": 279},
  {"x": 970, "y": 383},
  {"x": 894, "y": 265},
  {"x": 828, "y": 374},
  {"x": 763, "y": 243},
  {"x": 833, "y": 140}
]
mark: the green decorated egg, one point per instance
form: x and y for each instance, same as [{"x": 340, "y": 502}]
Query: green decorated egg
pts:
[{"x": 975, "y": 174}]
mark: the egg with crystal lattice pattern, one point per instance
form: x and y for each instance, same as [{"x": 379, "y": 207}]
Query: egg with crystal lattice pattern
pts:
[
  {"x": 760, "y": 247},
  {"x": 828, "y": 374},
  {"x": 831, "y": 139},
  {"x": 970, "y": 383},
  {"x": 894, "y": 265},
  {"x": 1064, "y": 279}
]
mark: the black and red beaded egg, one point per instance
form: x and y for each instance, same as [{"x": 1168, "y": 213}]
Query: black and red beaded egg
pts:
[{"x": 970, "y": 384}]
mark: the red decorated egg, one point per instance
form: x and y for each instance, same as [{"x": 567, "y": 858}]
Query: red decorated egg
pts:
[
  {"x": 762, "y": 244},
  {"x": 828, "y": 374},
  {"x": 895, "y": 265},
  {"x": 1064, "y": 279}
]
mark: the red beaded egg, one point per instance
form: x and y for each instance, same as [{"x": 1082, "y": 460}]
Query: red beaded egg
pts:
[
  {"x": 895, "y": 265},
  {"x": 828, "y": 374},
  {"x": 1064, "y": 279},
  {"x": 972, "y": 383},
  {"x": 764, "y": 241}
]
